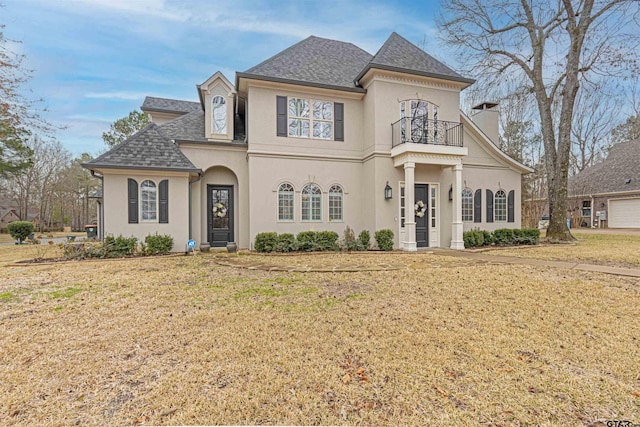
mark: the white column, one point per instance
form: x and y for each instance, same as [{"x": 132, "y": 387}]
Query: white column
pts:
[
  {"x": 456, "y": 221},
  {"x": 409, "y": 243}
]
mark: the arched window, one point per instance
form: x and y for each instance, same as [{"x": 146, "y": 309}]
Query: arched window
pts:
[
  {"x": 285, "y": 202},
  {"x": 311, "y": 203},
  {"x": 335, "y": 203},
  {"x": 467, "y": 204},
  {"x": 219, "y": 115},
  {"x": 149, "y": 201},
  {"x": 500, "y": 206}
]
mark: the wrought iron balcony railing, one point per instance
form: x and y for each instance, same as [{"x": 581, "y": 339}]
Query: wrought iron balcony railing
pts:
[{"x": 420, "y": 130}]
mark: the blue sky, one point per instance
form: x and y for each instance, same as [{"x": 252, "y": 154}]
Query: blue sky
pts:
[{"x": 96, "y": 60}]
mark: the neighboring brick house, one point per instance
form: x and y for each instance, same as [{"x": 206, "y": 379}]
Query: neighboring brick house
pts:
[
  {"x": 7, "y": 215},
  {"x": 607, "y": 194},
  {"x": 321, "y": 136}
]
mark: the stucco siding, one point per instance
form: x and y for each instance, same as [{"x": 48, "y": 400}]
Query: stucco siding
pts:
[{"x": 116, "y": 221}]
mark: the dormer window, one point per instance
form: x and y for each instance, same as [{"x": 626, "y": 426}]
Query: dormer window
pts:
[{"x": 219, "y": 115}]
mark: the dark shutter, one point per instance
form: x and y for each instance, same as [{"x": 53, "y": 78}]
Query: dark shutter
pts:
[
  {"x": 281, "y": 122},
  {"x": 163, "y": 199},
  {"x": 477, "y": 206},
  {"x": 489, "y": 206},
  {"x": 510, "y": 206},
  {"x": 133, "y": 201},
  {"x": 338, "y": 111}
]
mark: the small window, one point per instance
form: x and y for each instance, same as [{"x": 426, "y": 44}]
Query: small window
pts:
[
  {"x": 500, "y": 206},
  {"x": 285, "y": 202},
  {"x": 311, "y": 203},
  {"x": 219, "y": 115},
  {"x": 402, "y": 210},
  {"x": 322, "y": 120},
  {"x": 299, "y": 117},
  {"x": 335, "y": 203},
  {"x": 467, "y": 205},
  {"x": 149, "y": 199},
  {"x": 586, "y": 208}
]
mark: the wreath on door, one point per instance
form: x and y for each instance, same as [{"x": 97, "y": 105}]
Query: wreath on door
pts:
[
  {"x": 219, "y": 210},
  {"x": 420, "y": 208}
]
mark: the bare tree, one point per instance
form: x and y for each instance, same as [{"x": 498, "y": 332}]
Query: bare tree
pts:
[{"x": 554, "y": 45}]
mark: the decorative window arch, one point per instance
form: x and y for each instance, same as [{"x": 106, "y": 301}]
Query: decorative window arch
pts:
[
  {"x": 218, "y": 115},
  {"x": 467, "y": 204},
  {"x": 311, "y": 203},
  {"x": 285, "y": 202},
  {"x": 149, "y": 200},
  {"x": 500, "y": 206},
  {"x": 336, "y": 198}
]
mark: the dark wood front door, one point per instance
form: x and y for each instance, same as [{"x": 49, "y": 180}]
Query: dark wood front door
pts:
[
  {"x": 422, "y": 223},
  {"x": 220, "y": 216}
]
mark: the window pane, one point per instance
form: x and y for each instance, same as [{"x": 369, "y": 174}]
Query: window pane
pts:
[
  {"x": 148, "y": 198},
  {"x": 311, "y": 203},
  {"x": 322, "y": 110},
  {"x": 467, "y": 205},
  {"x": 299, "y": 127},
  {"x": 500, "y": 206},
  {"x": 219, "y": 115},
  {"x": 285, "y": 202},
  {"x": 335, "y": 203},
  {"x": 298, "y": 107},
  {"x": 322, "y": 130}
]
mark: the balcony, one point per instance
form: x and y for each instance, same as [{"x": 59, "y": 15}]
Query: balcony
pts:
[{"x": 420, "y": 130}]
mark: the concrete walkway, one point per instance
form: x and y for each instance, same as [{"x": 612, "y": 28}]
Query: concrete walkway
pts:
[{"x": 413, "y": 261}]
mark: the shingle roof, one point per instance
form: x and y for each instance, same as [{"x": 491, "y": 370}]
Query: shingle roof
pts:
[
  {"x": 147, "y": 149},
  {"x": 317, "y": 61},
  {"x": 169, "y": 105},
  {"x": 610, "y": 176},
  {"x": 189, "y": 127},
  {"x": 398, "y": 54}
]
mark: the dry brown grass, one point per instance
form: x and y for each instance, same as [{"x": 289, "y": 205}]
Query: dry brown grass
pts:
[
  {"x": 606, "y": 249},
  {"x": 183, "y": 340},
  {"x": 6, "y": 238}
]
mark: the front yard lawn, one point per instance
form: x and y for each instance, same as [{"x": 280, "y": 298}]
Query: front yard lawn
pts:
[
  {"x": 442, "y": 341},
  {"x": 607, "y": 249}
]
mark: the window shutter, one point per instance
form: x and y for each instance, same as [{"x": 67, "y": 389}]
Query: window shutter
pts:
[
  {"x": 489, "y": 206},
  {"x": 163, "y": 202},
  {"x": 281, "y": 121},
  {"x": 338, "y": 113},
  {"x": 133, "y": 201},
  {"x": 477, "y": 206},
  {"x": 510, "y": 206}
]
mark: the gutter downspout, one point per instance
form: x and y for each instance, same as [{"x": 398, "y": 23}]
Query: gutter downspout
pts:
[
  {"x": 101, "y": 210},
  {"x": 198, "y": 178}
]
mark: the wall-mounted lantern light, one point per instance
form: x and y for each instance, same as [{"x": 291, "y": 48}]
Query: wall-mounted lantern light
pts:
[
  {"x": 387, "y": 191},
  {"x": 451, "y": 193}
]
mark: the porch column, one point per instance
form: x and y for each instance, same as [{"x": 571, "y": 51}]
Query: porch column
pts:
[
  {"x": 456, "y": 221},
  {"x": 409, "y": 243}
]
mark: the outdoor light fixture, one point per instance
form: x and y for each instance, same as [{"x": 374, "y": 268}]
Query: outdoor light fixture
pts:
[
  {"x": 387, "y": 191},
  {"x": 451, "y": 193}
]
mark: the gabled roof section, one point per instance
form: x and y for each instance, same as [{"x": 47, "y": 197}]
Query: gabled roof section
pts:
[
  {"x": 189, "y": 127},
  {"x": 147, "y": 149},
  {"x": 619, "y": 172},
  {"x": 398, "y": 54},
  {"x": 166, "y": 105},
  {"x": 314, "y": 61},
  {"x": 493, "y": 148}
]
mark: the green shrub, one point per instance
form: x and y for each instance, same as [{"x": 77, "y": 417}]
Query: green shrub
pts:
[
  {"x": 265, "y": 242},
  {"x": 120, "y": 246},
  {"x": 20, "y": 230},
  {"x": 364, "y": 240},
  {"x": 286, "y": 242},
  {"x": 503, "y": 237},
  {"x": 487, "y": 237},
  {"x": 327, "y": 240},
  {"x": 473, "y": 238},
  {"x": 384, "y": 239},
  {"x": 307, "y": 241},
  {"x": 350, "y": 243},
  {"x": 530, "y": 236},
  {"x": 158, "y": 244}
]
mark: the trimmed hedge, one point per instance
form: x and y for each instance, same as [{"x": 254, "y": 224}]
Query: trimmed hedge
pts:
[
  {"x": 286, "y": 242},
  {"x": 266, "y": 242},
  {"x": 158, "y": 244},
  {"x": 501, "y": 237},
  {"x": 364, "y": 240},
  {"x": 20, "y": 230},
  {"x": 384, "y": 239},
  {"x": 311, "y": 241}
]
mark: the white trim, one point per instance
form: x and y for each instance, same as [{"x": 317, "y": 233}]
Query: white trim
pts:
[
  {"x": 157, "y": 219},
  {"x": 277, "y": 191}
]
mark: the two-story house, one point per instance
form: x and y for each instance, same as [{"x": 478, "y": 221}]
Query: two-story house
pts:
[{"x": 321, "y": 136}]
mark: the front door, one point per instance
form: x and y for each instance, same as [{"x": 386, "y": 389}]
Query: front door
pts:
[
  {"x": 422, "y": 215},
  {"x": 220, "y": 216}
]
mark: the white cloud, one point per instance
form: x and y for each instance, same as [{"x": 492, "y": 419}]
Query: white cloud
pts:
[{"x": 129, "y": 96}]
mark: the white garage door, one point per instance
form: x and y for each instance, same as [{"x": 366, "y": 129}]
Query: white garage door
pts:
[{"x": 624, "y": 213}]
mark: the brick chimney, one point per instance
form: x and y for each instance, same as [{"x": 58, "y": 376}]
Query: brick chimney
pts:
[{"x": 485, "y": 116}]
